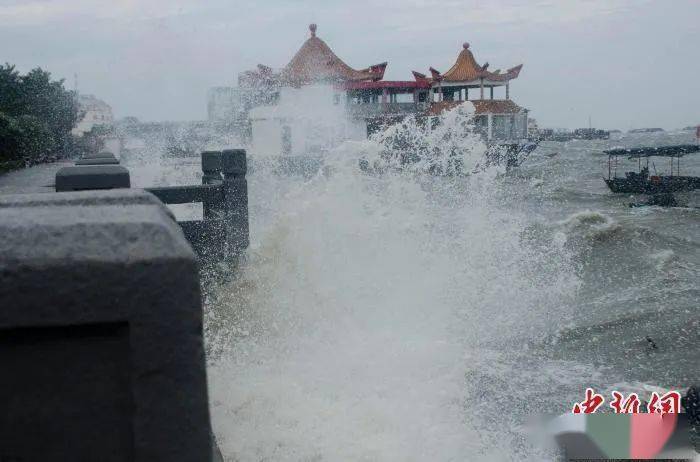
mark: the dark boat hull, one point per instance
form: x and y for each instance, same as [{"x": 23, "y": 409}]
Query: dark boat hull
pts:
[{"x": 653, "y": 185}]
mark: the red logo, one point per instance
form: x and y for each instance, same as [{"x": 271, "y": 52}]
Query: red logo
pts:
[
  {"x": 591, "y": 404},
  {"x": 668, "y": 403}
]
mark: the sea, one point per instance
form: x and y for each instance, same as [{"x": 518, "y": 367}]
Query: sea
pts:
[{"x": 404, "y": 316}]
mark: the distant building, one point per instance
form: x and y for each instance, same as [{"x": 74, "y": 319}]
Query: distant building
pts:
[
  {"x": 532, "y": 129},
  {"x": 283, "y": 106},
  {"x": 93, "y": 112},
  {"x": 224, "y": 104}
]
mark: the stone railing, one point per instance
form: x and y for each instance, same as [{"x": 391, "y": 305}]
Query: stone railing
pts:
[
  {"x": 222, "y": 234},
  {"x": 101, "y": 338}
]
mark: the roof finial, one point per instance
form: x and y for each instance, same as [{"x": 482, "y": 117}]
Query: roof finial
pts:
[
  {"x": 466, "y": 45},
  {"x": 312, "y": 28}
]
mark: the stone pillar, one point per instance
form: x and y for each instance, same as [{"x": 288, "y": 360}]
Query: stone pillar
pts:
[
  {"x": 84, "y": 177},
  {"x": 507, "y": 90},
  {"x": 491, "y": 88},
  {"x": 385, "y": 94},
  {"x": 211, "y": 174},
  {"x": 490, "y": 123},
  {"x": 101, "y": 338},
  {"x": 234, "y": 167},
  {"x": 481, "y": 85},
  {"x": 466, "y": 94}
]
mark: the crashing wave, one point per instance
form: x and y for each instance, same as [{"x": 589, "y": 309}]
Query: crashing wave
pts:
[{"x": 447, "y": 145}]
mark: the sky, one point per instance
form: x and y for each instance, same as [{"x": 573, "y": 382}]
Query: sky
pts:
[{"x": 623, "y": 63}]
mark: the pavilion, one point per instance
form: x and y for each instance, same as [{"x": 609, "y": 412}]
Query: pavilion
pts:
[{"x": 274, "y": 95}]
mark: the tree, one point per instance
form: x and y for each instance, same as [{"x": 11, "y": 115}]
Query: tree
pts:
[{"x": 36, "y": 116}]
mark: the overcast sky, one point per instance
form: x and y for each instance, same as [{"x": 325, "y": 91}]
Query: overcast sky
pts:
[{"x": 625, "y": 63}]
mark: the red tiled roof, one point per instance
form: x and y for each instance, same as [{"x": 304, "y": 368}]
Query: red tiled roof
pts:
[
  {"x": 466, "y": 69},
  {"x": 316, "y": 62},
  {"x": 482, "y": 106},
  {"x": 419, "y": 77},
  {"x": 496, "y": 106}
]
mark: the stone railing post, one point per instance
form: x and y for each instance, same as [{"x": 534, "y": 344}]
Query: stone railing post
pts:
[
  {"x": 101, "y": 340},
  {"x": 211, "y": 174},
  {"x": 234, "y": 167}
]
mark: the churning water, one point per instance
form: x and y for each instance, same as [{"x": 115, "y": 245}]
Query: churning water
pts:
[
  {"x": 408, "y": 317},
  {"x": 364, "y": 306},
  {"x": 405, "y": 316}
]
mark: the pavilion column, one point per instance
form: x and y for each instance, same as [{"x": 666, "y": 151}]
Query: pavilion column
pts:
[
  {"x": 481, "y": 85},
  {"x": 491, "y": 92},
  {"x": 507, "y": 90},
  {"x": 385, "y": 93},
  {"x": 466, "y": 94},
  {"x": 490, "y": 123}
]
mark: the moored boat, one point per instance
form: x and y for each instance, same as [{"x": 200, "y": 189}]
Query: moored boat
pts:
[{"x": 641, "y": 182}]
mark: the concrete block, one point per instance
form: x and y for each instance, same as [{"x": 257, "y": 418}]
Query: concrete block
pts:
[
  {"x": 100, "y": 332},
  {"x": 211, "y": 162},
  {"x": 84, "y": 198},
  {"x": 92, "y": 177},
  {"x": 233, "y": 162},
  {"x": 98, "y": 155},
  {"x": 97, "y": 161},
  {"x": 234, "y": 166}
]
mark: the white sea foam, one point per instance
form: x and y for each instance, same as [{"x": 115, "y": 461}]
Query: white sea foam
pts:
[
  {"x": 662, "y": 258},
  {"x": 589, "y": 224},
  {"x": 356, "y": 319}
]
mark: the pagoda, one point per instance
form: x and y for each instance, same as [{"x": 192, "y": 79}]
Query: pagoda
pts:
[
  {"x": 273, "y": 99},
  {"x": 316, "y": 63},
  {"x": 498, "y": 119},
  {"x": 466, "y": 73}
]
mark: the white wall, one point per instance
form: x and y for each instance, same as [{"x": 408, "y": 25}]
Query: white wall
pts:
[{"x": 315, "y": 115}]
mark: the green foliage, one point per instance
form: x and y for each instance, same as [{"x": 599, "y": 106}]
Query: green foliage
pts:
[{"x": 36, "y": 116}]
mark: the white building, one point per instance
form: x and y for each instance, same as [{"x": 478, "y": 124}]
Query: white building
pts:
[
  {"x": 303, "y": 121},
  {"x": 92, "y": 112}
]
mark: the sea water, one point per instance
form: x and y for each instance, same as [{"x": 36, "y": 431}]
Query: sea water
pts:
[{"x": 408, "y": 316}]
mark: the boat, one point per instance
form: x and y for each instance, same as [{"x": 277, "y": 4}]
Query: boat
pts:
[
  {"x": 549, "y": 134},
  {"x": 646, "y": 130},
  {"x": 641, "y": 182}
]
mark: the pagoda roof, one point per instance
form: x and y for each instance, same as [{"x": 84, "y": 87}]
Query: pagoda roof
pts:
[
  {"x": 466, "y": 69},
  {"x": 316, "y": 62}
]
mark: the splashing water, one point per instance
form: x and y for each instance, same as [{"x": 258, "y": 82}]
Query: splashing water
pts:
[
  {"x": 367, "y": 301},
  {"x": 444, "y": 145}
]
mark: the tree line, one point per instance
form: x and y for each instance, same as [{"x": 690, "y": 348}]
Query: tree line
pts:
[{"x": 37, "y": 115}]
